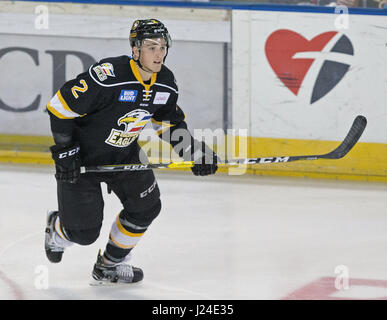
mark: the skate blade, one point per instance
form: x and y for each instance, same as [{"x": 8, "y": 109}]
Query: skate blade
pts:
[
  {"x": 107, "y": 283},
  {"x": 100, "y": 283}
]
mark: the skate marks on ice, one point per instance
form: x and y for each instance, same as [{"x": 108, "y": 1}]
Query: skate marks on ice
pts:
[
  {"x": 15, "y": 288},
  {"x": 216, "y": 238}
]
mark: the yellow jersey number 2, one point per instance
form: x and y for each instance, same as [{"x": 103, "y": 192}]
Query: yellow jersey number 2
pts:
[{"x": 77, "y": 89}]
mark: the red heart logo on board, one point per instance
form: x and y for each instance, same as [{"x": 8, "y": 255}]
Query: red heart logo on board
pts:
[{"x": 280, "y": 48}]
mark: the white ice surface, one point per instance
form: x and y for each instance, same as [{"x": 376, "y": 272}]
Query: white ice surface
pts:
[{"x": 218, "y": 237}]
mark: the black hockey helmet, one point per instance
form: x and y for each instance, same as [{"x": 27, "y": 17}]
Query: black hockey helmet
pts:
[{"x": 148, "y": 29}]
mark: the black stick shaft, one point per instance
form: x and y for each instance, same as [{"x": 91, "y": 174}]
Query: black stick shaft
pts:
[{"x": 348, "y": 143}]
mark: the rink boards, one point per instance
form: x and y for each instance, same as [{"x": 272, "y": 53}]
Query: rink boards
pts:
[
  {"x": 293, "y": 80},
  {"x": 355, "y": 166}
]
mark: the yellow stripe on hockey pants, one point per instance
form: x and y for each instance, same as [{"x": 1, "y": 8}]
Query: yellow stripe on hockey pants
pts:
[{"x": 121, "y": 237}]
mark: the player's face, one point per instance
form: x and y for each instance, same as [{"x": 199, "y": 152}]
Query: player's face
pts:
[{"x": 152, "y": 54}]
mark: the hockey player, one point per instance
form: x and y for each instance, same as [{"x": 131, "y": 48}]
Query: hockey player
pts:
[{"x": 95, "y": 120}]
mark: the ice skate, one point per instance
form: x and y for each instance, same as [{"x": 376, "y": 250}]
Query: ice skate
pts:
[
  {"x": 54, "y": 252},
  {"x": 106, "y": 274}
]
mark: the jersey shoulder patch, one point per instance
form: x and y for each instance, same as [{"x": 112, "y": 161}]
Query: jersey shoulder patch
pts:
[{"x": 110, "y": 71}]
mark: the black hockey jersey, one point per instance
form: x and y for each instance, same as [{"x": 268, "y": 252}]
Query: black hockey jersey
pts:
[{"x": 105, "y": 109}]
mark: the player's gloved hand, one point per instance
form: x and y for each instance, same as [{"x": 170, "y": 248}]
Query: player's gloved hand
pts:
[
  {"x": 67, "y": 162},
  {"x": 206, "y": 162}
]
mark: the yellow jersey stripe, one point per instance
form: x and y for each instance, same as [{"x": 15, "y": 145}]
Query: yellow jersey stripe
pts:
[
  {"x": 60, "y": 109},
  {"x": 56, "y": 113},
  {"x": 65, "y": 105}
]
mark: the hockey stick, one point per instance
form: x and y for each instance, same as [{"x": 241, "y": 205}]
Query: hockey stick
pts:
[{"x": 349, "y": 141}]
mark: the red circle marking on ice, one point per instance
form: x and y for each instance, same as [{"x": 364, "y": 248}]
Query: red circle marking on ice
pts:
[{"x": 17, "y": 292}]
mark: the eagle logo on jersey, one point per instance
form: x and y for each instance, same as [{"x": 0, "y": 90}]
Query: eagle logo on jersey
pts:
[{"x": 133, "y": 123}]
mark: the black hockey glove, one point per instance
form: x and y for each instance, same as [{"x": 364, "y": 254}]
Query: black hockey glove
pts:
[
  {"x": 205, "y": 160},
  {"x": 67, "y": 162}
]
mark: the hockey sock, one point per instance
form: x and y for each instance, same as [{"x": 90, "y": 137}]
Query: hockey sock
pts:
[
  {"x": 122, "y": 239},
  {"x": 59, "y": 235}
]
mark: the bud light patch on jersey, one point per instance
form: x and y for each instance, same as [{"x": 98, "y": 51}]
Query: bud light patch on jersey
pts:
[
  {"x": 132, "y": 122},
  {"x": 128, "y": 96}
]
